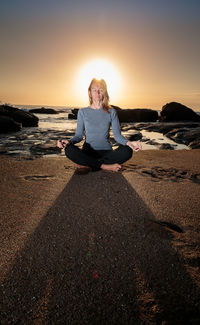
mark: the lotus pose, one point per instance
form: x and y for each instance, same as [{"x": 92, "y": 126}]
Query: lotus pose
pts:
[{"x": 95, "y": 121}]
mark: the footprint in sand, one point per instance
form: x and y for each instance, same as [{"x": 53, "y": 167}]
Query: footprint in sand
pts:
[
  {"x": 37, "y": 177},
  {"x": 158, "y": 173}
]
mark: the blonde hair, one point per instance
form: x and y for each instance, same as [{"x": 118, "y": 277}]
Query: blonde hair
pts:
[{"x": 106, "y": 98}]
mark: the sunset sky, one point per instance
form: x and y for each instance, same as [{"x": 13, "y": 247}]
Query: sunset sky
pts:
[{"x": 149, "y": 51}]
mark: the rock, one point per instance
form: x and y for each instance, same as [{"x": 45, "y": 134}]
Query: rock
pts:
[
  {"x": 137, "y": 115},
  {"x": 166, "y": 146},
  {"x": 166, "y": 127},
  {"x": 7, "y": 124},
  {"x": 162, "y": 127},
  {"x": 19, "y": 116},
  {"x": 177, "y": 112},
  {"x": 135, "y": 137},
  {"x": 152, "y": 142},
  {"x": 128, "y": 115},
  {"x": 191, "y": 135},
  {"x": 144, "y": 139},
  {"x": 43, "y": 110},
  {"x": 117, "y": 108},
  {"x": 3, "y": 151},
  {"x": 195, "y": 144},
  {"x": 72, "y": 116},
  {"x": 177, "y": 134},
  {"x": 75, "y": 111},
  {"x": 44, "y": 149},
  {"x": 187, "y": 136}
]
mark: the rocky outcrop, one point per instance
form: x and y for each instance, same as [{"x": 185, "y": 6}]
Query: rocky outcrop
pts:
[
  {"x": 128, "y": 115},
  {"x": 117, "y": 108},
  {"x": 183, "y": 133},
  {"x": 166, "y": 146},
  {"x": 135, "y": 136},
  {"x": 188, "y": 136},
  {"x": 161, "y": 127},
  {"x": 44, "y": 149},
  {"x": 137, "y": 115},
  {"x": 43, "y": 110},
  {"x": 195, "y": 144},
  {"x": 73, "y": 114},
  {"x": 7, "y": 124},
  {"x": 177, "y": 112},
  {"x": 19, "y": 116}
]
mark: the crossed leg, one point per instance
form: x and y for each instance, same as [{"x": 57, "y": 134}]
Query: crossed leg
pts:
[{"x": 98, "y": 159}]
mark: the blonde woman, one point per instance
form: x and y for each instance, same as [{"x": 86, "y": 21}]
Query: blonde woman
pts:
[{"x": 95, "y": 121}]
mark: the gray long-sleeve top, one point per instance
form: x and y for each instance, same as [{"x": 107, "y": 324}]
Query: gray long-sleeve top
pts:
[{"x": 95, "y": 123}]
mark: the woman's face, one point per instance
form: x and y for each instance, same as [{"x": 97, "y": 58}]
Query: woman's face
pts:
[{"x": 97, "y": 92}]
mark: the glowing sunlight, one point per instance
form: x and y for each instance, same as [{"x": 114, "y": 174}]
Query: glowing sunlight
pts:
[{"x": 98, "y": 68}]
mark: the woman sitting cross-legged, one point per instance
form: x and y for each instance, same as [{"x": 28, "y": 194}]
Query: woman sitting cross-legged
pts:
[{"x": 95, "y": 121}]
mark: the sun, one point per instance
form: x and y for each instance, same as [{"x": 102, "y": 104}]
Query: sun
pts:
[{"x": 98, "y": 68}]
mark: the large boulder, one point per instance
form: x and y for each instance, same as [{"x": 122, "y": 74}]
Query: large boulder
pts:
[
  {"x": 137, "y": 115},
  {"x": 117, "y": 108},
  {"x": 7, "y": 124},
  {"x": 73, "y": 114},
  {"x": 177, "y": 112},
  {"x": 19, "y": 116},
  {"x": 43, "y": 110}
]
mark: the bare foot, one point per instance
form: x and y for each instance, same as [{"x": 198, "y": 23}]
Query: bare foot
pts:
[
  {"x": 80, "y": 169},
  {"x": 112, "y": 167},
  {"x": 81, "y": 166}
]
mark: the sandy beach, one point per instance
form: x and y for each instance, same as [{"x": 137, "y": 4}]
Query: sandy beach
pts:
[{"x": 101, "y": 248}]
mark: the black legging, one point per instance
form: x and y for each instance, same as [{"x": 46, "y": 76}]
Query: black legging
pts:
[{"x": 87, "y": 156}]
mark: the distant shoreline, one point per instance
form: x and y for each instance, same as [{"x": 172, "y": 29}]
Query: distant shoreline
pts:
[{"x": 63, "y": 107}]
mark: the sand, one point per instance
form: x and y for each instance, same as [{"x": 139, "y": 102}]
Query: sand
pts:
[{"x": 101, "y": 248}]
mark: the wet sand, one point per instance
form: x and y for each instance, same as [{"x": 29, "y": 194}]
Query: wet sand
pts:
[{"x": 101, "y": 248}]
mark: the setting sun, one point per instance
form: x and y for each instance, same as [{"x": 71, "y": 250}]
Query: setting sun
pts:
[{"x": 98, "y": 68}]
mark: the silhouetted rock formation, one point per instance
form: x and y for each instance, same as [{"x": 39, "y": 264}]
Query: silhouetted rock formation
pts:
[
  {"x": 117, "y": 108},
  {"x": 128, "y": 115},
  {"x": 177, "y": 112},
  {"x": 19, "y": 116},
  {"x": 73, "y": 114},
  {"x": 7, "y": 124},
  {"x": 75, "y": 111},
  {"x": 43, "y": 110},
  {"x": 137, "y": 115}
]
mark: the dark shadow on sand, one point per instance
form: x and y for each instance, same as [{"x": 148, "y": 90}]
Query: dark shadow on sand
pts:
[{"x": 97, "y": 257}]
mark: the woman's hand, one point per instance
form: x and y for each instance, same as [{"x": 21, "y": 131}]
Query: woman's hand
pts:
[
  {"x": 134, "y": 145},
  {"x": 62, "y": 143}
]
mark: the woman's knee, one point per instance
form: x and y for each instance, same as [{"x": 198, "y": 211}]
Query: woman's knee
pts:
[
  {"x": 127, "y": 152},
  {"x": 69, "y": 149}
]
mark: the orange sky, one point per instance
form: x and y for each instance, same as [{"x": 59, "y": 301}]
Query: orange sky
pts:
[{"x": 155, "y": 52}]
